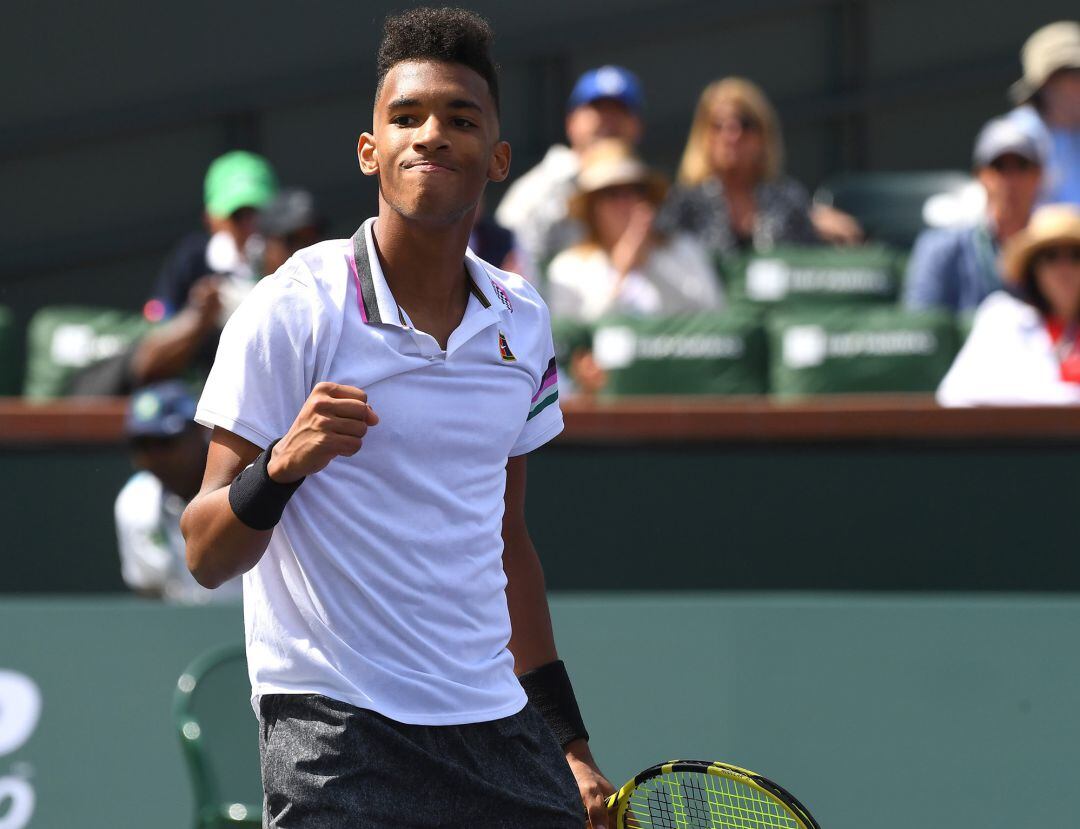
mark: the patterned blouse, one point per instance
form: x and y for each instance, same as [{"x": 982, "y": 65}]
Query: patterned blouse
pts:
[{"x": 783, "y": 216}]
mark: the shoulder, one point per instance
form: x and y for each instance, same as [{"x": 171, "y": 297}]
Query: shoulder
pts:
[
  {"x": 139, "y": 501},
  {"x": 559, "y": 165},
  {"x": 1002, "y": 308},
  {"x": 524, "y": 302},
  {"x": 190, "y": 250},
  {"x": 314, "y": 278},
  {"x": 569, "y": 264},
  {"x": 944, "y": 238}
]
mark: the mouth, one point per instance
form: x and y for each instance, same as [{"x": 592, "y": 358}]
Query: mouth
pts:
[{"x": 428, "y": 166}]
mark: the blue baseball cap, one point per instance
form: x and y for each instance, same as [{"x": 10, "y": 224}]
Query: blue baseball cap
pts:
[
  {"x": 612, "y": 82},
  {"x": 160, "y": 410}
]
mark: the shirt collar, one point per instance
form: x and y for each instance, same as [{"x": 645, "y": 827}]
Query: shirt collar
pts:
[{"x": 376, "y": 301}]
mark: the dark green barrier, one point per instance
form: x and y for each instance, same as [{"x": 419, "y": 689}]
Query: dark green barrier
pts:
[
  {"x": 847, "y": 701},
  {"x": 63, "y": 340},
  {"x": 10, "y": 371},
  {"x": 857, "y": 349},
  {"x": 839, "y": 517},
  {"x": 715, "y": 353}
]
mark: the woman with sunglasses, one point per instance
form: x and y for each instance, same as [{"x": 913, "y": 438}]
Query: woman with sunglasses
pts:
[
  {"x": 1024, "y": 348},
  {"x": 732, "y": 193}
]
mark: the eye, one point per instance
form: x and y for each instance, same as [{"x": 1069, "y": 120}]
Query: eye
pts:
[
  {"x": 403, "y": 121},
  {"x": 464, "y": 123}
]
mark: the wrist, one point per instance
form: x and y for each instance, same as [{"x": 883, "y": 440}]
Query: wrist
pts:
[
  {"x": 277, "y": 469},
  {"x": 549, "y": 690},
  {"x": 256, "y": 499}
]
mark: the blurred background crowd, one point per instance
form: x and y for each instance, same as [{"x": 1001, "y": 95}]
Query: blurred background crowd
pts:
[{"x": 722, "y": 273}]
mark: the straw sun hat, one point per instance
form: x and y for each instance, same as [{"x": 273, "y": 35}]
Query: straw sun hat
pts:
[
  {"x": 1053, "y": 47},
  {"x": 1052, "y": 225},
  {"x": 611, "y": 163}
]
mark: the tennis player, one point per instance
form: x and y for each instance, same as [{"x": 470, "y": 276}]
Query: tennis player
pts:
[{"x": 372, "y": 405}]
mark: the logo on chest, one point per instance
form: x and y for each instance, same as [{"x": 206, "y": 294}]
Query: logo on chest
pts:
[{"x": 504, "y": 349}]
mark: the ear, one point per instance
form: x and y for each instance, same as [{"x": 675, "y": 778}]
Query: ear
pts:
[
  {"x": 499, "y": 166},
  {"x": 367, "y": 155}
]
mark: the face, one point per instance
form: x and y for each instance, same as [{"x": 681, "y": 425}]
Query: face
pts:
[
  {"x": 1060, "y": 99},
  {"x": 240, "y": 225},
  {"x": 177, "y": 462},
  {"x": 1012, "y": 185},
  {"x": 435, "y": 142},
  {"x": 736, "y": 140},
  {"x": 1057, "y": 273},
  {"x": 612, "y": 209},
  {"x": 603, "y": 118}
]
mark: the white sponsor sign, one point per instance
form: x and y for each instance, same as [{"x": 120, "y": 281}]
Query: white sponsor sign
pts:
[{"x": 20, "y": 710}]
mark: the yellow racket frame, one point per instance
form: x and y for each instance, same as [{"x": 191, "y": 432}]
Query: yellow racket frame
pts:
[{"x": 620, "y": 801}]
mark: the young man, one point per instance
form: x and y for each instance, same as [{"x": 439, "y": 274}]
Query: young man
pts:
[{"x": 391, "y": 598}]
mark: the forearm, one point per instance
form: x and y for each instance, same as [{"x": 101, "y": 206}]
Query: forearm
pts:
[
  {"x": 531, "y": 639},
  {"x": 219, "y": 545},
  {"x": 167, "y": 351}
]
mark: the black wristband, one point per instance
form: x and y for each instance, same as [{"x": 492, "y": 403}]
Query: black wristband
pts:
[
  {"x": 550, "y": 691},
  {"x": 256, "y": 498}
]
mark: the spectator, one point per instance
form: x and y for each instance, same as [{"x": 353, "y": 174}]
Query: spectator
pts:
[
  {"x": 169, "y": 450},
  {"x": 605, "y": 103},
  {"x": 1024, "y": 349},
  {"x": 732, "y": 193},
  {"x": 494, "y": 243},
  {"x": 208, "y": 273},
  {"x": 624, "y": 264},
  {"x": 287, "y": 224},
  {"x": 1049, "y": 95},
  {"x": 957, "y": 268}
]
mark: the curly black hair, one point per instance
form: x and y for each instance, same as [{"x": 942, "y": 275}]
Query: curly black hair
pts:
[{"x": 444, "y": 34}]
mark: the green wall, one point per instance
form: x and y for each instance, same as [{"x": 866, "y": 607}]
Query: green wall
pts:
[{"x": 882, "y": 712}]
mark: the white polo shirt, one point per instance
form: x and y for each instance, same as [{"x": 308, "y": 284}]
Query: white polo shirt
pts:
[{"x": 383, "y": 584}]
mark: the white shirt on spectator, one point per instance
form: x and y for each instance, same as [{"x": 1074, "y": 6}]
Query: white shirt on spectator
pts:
[
  {"x": 1008, "y": 360},
  {"x": 383, "y": 585},
  {"x": 676, "y": 278},
  {"x": 152, "y": 554},
  {"x": 536, "y": 206}
]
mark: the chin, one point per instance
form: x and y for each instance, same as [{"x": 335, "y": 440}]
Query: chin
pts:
[{"x": 436, "y": 213}]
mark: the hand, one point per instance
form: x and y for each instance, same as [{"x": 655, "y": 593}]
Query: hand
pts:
[
  {"x": 636, "y": 241},
  {"x": 204, "y": 300},
  {"x": 594, "y": 787},
  {"x": 836, "y": 226},
  {"x": 332, "y": 422}
]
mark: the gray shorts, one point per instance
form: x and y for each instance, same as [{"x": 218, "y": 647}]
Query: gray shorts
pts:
[{"x": 329, "y": 765}]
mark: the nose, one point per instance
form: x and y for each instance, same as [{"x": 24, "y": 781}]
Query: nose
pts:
[{"x": 430, "y": 136}]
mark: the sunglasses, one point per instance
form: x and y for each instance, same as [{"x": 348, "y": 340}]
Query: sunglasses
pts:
[
  {"x": 1060, "y": 253},
  {"x": 1012, "y": 164},
  {"x": 744, "y": 122}
]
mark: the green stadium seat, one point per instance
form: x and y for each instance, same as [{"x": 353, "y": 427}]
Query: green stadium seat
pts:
[
  {"x": 794, "y": 276},
  {"x": 854, "y": 349},
  {"x": 890, "y": 206},
  {"x": 708, "y": 353},
  {"x": 63, "y": 340},
  {"x": 9, "y": 368},
  {"x": 220, "y": 739}
]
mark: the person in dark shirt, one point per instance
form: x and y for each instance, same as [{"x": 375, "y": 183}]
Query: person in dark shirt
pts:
[{"x": 208, "y": 273}]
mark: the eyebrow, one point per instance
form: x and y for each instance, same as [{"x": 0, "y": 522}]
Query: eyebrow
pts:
[{"x": 457, "y": 103}]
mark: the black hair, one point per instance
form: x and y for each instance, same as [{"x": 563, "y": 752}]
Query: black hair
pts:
[{"x": 443, "y": 34}]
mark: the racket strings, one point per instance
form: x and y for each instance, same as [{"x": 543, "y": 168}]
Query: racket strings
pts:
[{"x": 681, "y": 800}]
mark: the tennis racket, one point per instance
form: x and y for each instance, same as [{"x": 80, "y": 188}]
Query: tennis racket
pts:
[{"x": 697, "y": 794}]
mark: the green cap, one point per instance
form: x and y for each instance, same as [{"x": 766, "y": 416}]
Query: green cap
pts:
[{"x": 238, "y": 179}]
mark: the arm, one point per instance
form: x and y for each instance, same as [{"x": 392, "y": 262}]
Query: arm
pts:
[
  {"x": 332, "y": 422},
  {"x": 169, "y": 349},
  {"x": 929, "y": 272},
  {"x": 531, "y": 640}
]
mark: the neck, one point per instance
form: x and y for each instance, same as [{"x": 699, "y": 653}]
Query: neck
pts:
[
  {"x": 423, "y": 264},
  {"x": 737, "y": 181},
  {"x": 1004, "y": 226}
]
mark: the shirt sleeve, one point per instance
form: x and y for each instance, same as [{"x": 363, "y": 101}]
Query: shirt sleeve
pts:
[
  {"x": 263, "y": 370},
  {"x": 545, "y": 418}
]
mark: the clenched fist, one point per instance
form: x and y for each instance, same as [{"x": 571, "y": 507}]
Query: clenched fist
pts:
[{"x": 332, "y": 422}]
